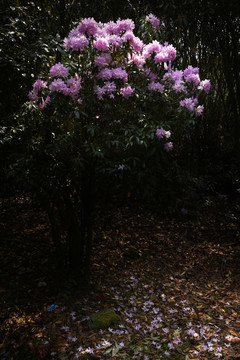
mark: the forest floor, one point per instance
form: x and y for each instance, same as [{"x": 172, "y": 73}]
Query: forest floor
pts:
[{"x": 174, "y": 282}]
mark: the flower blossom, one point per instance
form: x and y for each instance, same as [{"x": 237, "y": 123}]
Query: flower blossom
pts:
[
  {"x": 102, "y": 60},
  {"x": 104, "y": 74},
  {"x": 88, "y": 26},
  {"x": 156, "y": 86},
  {"x": 167, "y": 53},
  {"x": 119, "y": 73},
  {"x": 153, "y": 20},
  {"x": 160, "y": 133},
  {"x": 199, "y": 110},
  {"x": 58, "y": 70},
  {"x": 188, "y": 103},
  {"x": 108, "y": 88},
  {"x": 33, "y": 96},
  {"x": 58, "y": 85},
  {"x": 127, "y": 91},
  {"x": 99, "y": 91},
  {"x": 74, "y": 86},
  {"x": 168, "y": 146},
  {"x": 124, "y": 25},
  {"x": 137, "y": 44},
  {"x": 128, "y": 36},
  {"x": 139, "y": 60},
  {"x": 115, "y": 40},
  {"x": 110, "y": 28},
  {"x": 193, "y": 78},
  {"x": 154, "y": 46},
  {"x": 178, "y": 86},
  {"x": 39, "y": 84},
  {"x": 205, "y": 85},
  {"x": 44, "y": 103},
  {"x": 101, "y": 44},
  {"x": 79, "y": 42}
]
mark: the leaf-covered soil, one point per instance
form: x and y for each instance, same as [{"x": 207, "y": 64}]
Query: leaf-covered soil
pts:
[{"x": 174, "y": 282}]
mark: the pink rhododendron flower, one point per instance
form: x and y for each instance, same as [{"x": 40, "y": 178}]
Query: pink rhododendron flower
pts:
[
  {"x": 111, "y": 28},
  {"x": 74, "y": 84},
  {"x": 128, "y": 36},
  {"x": 88, "y": 26},
  {"x": 127, "y": 91},
  {"x": 160, "y": 133},
  {"x": 188, "y": 103},
  {"x": 139, "y": 60},
  {"x": 110, "y": 87},
  {"x": 199, "y": 110},
  {"x": 167, "y": 53},
  {"x": 153, "y": 20},
  {"x": 177, "y": 75},
  {"x": 172, "y": 52},
  {"x": 99, "y": 91},
  {"x": 101, "y": 44},
  {"x": 39, "y": 84},
  {"x": 156, "y": 86},
  {"x": 115, "y": 40},
  {"x": 190, "y": 70},
  {"x": 44, "y": 103},
  {"x": 137, "y": 44},
  {"x": 194, "y": 78},
  {"x": 168, "y": 146},
  {"x": 154, "y": 46},
  {"x": 151, "y": 75},
  {"x": 58, "y": 85},
  {"x": 162, "y": 56},
  {"x": 76, "y": 43},
  {"x": 102, "y": 60},
  {"x": 205, "y": 85},
  {"x": 119, "y": 73},
  {"x": 125, "y": 25},
  {"x": 58, "y": 70},
  {"x": 105, "y": 74},
  {"x": 32, "y": 95},
  {"x": 178, "y": 86}
]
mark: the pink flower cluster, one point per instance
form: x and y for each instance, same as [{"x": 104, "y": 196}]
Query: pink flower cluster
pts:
[
  {"x": 127, "y": 91},
  {"x": 192, "y": 105},
  {"x": 205, "y": 85},
  {"x": 117, "y": 73},
  {"x": 69, "y": 87},
  {"x": 58, "y": 70},
  {"x": 160, "y": 134},
  {"x": 153, "y": 20},
  {"x": 76, "y": 43},
  {"x": 109, "y": 88},
  {"x": 110, "y": 57},
  {"x": 163, "y": 53},
  {"x": 156, "y": 86},
  {"x": 34, "y": 94}
]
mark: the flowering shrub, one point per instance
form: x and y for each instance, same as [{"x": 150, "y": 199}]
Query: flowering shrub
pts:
[
  {"x": 119, "y": 87},
  {"x": 112, "y": 106}
]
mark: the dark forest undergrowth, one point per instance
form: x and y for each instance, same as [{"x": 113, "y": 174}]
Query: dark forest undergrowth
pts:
[{"x": 173, "y": 281}]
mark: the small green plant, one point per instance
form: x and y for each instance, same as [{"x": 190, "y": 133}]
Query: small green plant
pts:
[{"x": 105, "y": 319}]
